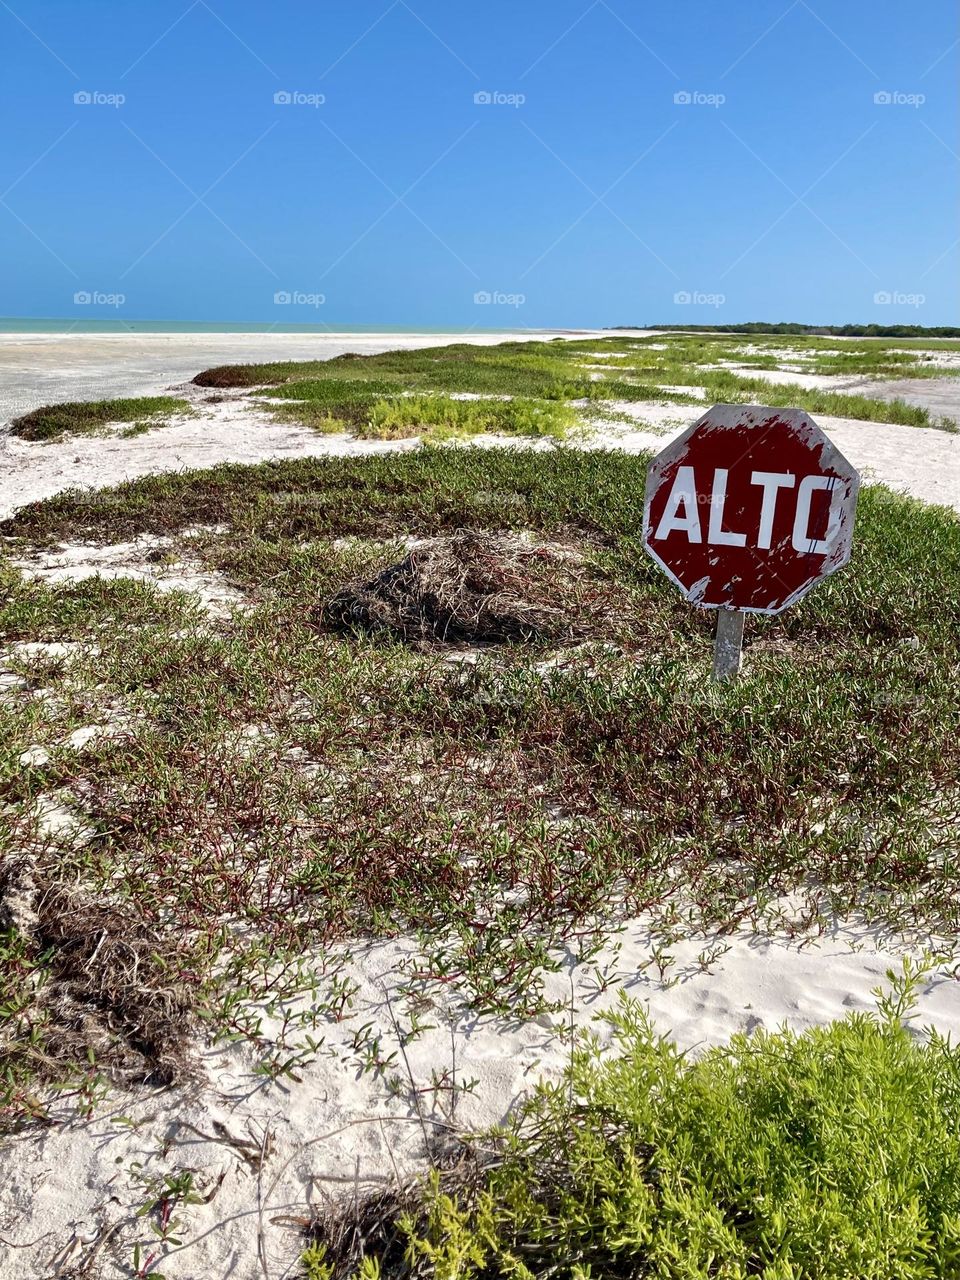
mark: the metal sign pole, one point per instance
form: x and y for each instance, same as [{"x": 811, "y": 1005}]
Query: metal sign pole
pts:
[{"x": 728, "y": 646}]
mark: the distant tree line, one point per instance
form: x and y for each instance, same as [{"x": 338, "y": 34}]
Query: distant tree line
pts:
[{"x": 835, "y": 330}]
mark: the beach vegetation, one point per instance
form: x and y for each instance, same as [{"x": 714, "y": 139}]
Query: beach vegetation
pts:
[
  {"x": 828, "y": 1154},
  {"x": 473, "y": 645},
  {"x": 669, "y": 369},
  {"x": 87, "y": 417}
]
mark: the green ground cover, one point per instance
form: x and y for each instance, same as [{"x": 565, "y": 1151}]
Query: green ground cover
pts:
[
  {"x": 531, "y": 798},
  {"x": 545, "y": 388},
  {"x": 339, "y": 393},
  {"x": 89, "y": 417},
  {"x": 829, "y": 1155}
]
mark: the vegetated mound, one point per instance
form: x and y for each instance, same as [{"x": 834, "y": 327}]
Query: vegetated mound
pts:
[
  {"x": 277, "y": 372},
  {"x": 273, "y": 373},
  {"x": 81, "y": 417},
  {"x": 231, "y": 375},
  {"x": 112, "y": 994},
  {"x": 475, "y": 588}
]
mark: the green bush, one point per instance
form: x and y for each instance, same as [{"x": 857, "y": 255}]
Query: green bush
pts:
[
  {"x": 440, "y": 417},
  {"x": 830, "y": 1154}
]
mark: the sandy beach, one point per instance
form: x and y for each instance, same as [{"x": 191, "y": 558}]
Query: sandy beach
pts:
[
  {"x": 69, "y": 1189},
  {"x": 268, "y": 1151},
  {"x": 38, "y": 369},
  {"x": 44, "y": 368}
]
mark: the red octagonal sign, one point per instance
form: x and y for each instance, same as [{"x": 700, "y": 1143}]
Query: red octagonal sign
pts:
[{"x": 749, "y": 508}]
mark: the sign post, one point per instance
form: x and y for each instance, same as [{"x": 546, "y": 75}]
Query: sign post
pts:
[
  {"x": 728, "y": 645},
  {"x": 745, "y": 512}
]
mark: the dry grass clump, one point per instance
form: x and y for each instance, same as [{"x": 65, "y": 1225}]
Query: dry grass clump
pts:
[
  {"x": 367, "y": 1226},
  {"x": 372, "y": 1225},
  {"x": 474, "y": 588},
  {"x": 112, "y": 994}
]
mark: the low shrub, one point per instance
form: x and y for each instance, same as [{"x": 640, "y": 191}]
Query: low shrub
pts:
[
  {"x": 828, "y": 1155},
  {"x": 439, "y": 416}
]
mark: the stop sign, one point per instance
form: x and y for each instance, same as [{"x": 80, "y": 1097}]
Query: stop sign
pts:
[{"x": 749, "y": 508}]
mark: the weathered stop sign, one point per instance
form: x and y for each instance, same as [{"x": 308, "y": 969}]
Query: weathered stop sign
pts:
[{"x": 749, "y": 508}]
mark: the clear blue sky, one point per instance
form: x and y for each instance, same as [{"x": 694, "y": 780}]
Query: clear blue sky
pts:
[{"x": 783, "y": 188}]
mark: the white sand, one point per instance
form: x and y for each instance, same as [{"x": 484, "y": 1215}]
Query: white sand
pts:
[
  {"x": 920, "y": 461},
  {"x": 682, "y": 390},
  {"x": 792, "y": 375},
  {"x": 940, "y": 396},
  {"x": 44, "y": 368},
  {"x": 67, "y": 1186},
  {"x": 234, "y": 430},
  {"x": 73, "y": 1190},
  {"x": 137, "y": 560},
  {"x": 939, "y": 359}
]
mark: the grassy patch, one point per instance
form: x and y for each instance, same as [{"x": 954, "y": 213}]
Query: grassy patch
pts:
[
  {"x": 740, "y": 390},
  {"x": 339, "y": 393},
  {"x": 829, "y": 1155},
  {"x": 88, "y": 417},
  {"x": 431, "y": 490},
  {"x": 439, "y": 417},
  {"x": 532, "y": 797},
  {"x": 529, "y": 369},
  {"x": 140, "y": 428},
  {"x": 432, "y": 417}
]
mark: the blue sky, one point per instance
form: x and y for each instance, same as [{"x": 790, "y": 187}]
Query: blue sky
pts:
[{"x": 584, "y": 192}]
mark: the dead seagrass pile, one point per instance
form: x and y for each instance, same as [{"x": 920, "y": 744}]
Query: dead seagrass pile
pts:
[
  {"x": 474, "y": 588},
  {"x": 113, "y": 994}
]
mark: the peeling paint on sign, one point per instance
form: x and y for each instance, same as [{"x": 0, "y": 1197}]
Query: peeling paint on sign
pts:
[{"x": 749, "y": 508}]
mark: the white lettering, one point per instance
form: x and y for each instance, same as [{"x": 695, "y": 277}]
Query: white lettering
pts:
[
  {"x": 802, "y": 540},
  {"x": 717, "y": 536},
  {"x": 772, "y": 482},
  {"x": 683, "y": 493}
]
